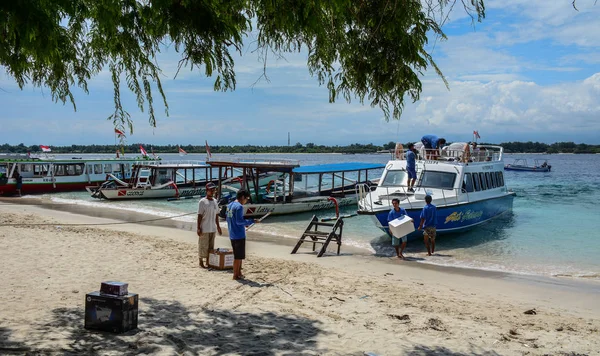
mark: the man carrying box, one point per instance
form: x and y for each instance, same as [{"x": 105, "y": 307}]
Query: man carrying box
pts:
[{"x": 395, "y": 213}]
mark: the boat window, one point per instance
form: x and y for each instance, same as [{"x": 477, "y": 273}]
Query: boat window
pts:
[
  {"x": 483, "y": 182},
  {"x": 26, "y": 168},
  {"x": 468, "y": 182},
  {"x": 394, "y": 178},
  {"x": 107, "y": 168},
  {"x": 40, "y": 170},
  {"x": 500, "y": 179},
  {"x": 433, "y": 179},
  {"x": 97, "y": 168},
  {"x": 116, "y": 168},
  {"x": 476, "y": 182},
  {"x": 59, "y": 170},
  {"x": 488, "y": 179},
  {"x": 495, "y": 179}
]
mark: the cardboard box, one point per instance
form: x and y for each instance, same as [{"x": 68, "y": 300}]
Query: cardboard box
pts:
[
  {"x": 220, "y": 259},
  {"x": 401, "y": 226},
  {"x": 114, "y": 288},
  {"x": 111, "y": 313}
]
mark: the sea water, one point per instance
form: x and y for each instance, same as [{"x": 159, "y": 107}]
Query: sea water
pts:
[{"x": 554, "y": 227}]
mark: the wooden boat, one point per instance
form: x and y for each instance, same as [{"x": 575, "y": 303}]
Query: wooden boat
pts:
[
  {"x": 541, "y": 165},
  {"x": 301, "y": 189},
  {"x": 157, "y": 180},
  {"x": 466, "y": 192},
  {"x": 47, "y": 174}
]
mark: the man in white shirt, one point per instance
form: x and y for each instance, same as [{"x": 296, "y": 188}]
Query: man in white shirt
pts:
[{"x": 208, "y": 224}]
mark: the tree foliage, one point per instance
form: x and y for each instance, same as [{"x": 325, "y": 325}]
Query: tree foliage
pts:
[{"x": 370, "y": 50}]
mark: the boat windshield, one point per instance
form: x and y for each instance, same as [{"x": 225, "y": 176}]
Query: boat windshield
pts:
[
  {"x": 441, "y": 180},
  {"x": 394, "y": 179}
]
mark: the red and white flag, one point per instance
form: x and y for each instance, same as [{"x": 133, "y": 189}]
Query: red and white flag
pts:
[
  {"x": 476, "y": 134},
  {"x": 181, "y": 151},
  {"x": 143, "y": 151},
  {"x": 45, "y": 148},
  {"x": 119, "y": 132},
  {"x": 207, "y": 149}
]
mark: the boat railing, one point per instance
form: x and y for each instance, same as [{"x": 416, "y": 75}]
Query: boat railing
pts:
[
  {"x": 381, "y": 198},
  {"x": 176, "y": 163},
  {"x": 260, "y": 161}
]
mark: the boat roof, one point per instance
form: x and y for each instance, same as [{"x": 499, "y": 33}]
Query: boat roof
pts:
[
  {"x": 173, "y": 164},
  {"x": 337, "y": 167},
  {"x": 268, "y": 165}
]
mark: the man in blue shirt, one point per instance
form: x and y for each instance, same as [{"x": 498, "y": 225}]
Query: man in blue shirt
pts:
[
  {"x": 237, "y": 230},
  {"x": 395, "y": 213},
  {"x": 411, "y": 167},
  {"x": 428, "y": 221},
  {"x": 432, "y": 144}
]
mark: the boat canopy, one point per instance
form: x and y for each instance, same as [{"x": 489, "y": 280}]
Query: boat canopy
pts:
[{"x": 337, "y": 167}]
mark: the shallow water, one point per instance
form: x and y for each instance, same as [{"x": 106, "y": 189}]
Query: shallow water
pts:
[{"x": 554, "y": 227}]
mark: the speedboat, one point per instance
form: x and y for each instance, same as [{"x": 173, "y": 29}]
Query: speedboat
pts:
[{"x": 467, "y": 192}]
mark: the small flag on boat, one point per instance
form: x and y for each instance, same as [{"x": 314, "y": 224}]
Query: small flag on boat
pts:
[
  {"x": 119, "y": 132},
  {"x": 476, "y": 134},
  {"x": 143, "y": 151},
  {"x": 45, "y": 148},
  {"x": 152, "y": 150},
  {"x": 207, "y": 149},
  {"x": 181, "y": 151}
]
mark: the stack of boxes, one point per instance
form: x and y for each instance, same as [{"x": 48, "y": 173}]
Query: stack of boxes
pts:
[{"x": 111, "y": 309}]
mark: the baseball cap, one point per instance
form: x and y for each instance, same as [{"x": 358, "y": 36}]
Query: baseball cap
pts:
[{"x": 211, "y": 186}]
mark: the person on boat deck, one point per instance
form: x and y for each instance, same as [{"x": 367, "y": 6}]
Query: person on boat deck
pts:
[
  {"x": 237, "y": 230},
  {"x": 428, "y": 219},
  {"x": 432, "y": 144},
  {"x": 395, "y": 213},
  {"x": 411, "y": 167},
  {"x": 208, "y": 224}
]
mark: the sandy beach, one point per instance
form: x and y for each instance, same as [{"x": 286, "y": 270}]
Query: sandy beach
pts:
[{"x": 352, "y": 304}]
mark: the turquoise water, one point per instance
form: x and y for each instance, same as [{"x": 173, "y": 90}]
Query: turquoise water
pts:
[{"x": 554, "y": 227}]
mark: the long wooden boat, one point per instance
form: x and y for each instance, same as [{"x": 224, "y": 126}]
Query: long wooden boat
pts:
[
  {"x": 48, "y": 174},
  {"x": 302, "y": 189}
]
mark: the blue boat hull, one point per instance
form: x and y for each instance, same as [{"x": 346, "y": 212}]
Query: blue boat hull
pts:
[
  {"x": 456, "y": 218},
  {"x": 527, "y": 169}
]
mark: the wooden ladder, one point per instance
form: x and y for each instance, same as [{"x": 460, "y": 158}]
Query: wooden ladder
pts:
[{"x": 321, "y": 237}]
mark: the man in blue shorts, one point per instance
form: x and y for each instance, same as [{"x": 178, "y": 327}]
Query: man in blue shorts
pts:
[
  {"x": 432, "y": 144},
  {"x": 237, "y": 230},
  {"x": 428, "y": 219},
  {"x": 411, "y": 167},
  {"x": 395, "y": 213}
]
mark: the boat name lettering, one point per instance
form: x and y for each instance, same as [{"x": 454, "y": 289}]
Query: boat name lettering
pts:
[
  {"x": 187, "y": 193},
  {"x": 487, "y": 168},
  {"x": 432, "y": 162},
  {"x": 462, "y": 216},
  {"x": 135, "y": 193}
]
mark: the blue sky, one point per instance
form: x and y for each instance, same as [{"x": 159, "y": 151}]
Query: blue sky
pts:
[{"x": 529, "y": 71}]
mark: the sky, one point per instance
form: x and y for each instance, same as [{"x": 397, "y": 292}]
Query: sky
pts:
[{"x": 529, "y": 72}]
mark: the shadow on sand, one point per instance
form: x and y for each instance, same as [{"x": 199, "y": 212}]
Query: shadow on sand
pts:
[
  {"x": 440, "y": 350},
  {"x": 169, "y": 327}
]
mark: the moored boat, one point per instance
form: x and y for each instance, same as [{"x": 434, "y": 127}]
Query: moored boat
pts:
[
  {"x": 48, "y": 174},
  {"x": 466, "y": 192},
  {"x": 301, "y": 189},
  {"x": 520, "y": 164}
]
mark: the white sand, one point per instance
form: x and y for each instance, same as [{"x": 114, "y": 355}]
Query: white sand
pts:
[{"x": 289, "y": 305}]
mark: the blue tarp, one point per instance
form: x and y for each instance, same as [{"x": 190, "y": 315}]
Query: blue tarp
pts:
[{"x": 337, "y": 167}]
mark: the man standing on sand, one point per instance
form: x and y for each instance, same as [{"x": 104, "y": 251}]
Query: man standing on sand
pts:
[
  {"x": 208, "y": 224},
  {"x": 237, "y": 230},
  {"x": 428, "y": 220},
  {"x": 395, "y": 213},
  {"x": 411, "y": 167}
]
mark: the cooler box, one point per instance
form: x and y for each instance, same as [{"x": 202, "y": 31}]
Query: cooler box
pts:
[
  {"x": 220, "y": 259},
  {"x": 111, "y": 313},
  {"x": 401, "y": 226}
]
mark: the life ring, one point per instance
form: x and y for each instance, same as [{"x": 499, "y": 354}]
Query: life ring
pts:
[
  {"x": 268, "y": 188},
  {"x": 467, "y": 154},
  {"x": 399, "y": 151}
]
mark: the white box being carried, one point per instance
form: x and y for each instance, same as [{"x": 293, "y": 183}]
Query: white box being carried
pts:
[{"x": 401, "y": 226}]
